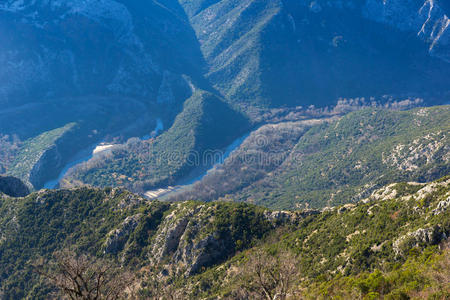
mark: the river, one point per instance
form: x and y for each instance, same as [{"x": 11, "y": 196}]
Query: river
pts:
[
  {"x": 195, "y": 176},
  {"x": 89, "y": 153},
  {"x": 182, "y": 185}
]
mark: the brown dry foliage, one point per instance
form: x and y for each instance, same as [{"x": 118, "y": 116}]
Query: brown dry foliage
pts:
[
  {"x": 269, "y": 277},
  {"x": 83, "y": 277}
]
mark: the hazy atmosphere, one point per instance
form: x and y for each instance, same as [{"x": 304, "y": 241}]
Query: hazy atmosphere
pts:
[{"x": 224, "y": 149}]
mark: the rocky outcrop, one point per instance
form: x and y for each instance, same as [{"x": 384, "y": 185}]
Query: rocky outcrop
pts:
[
  {"x": 441, "y": 207},
  {"x": 284, "y": 217},
  {"x": 189, "y": 239},
  {"x": 419, "y": 153},
  {"x": 13, "y": 187},
  {"x": 118, "y": 237},
  {"x": 182, "y": 238},
  {"x": 422, "y": 236},
  {"x": 170, "y": 232},
  {"x": 426, "y": 18}
]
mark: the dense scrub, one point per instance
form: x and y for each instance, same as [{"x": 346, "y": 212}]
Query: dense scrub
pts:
[
  {"x": 346, "y": 160},
  {"x": 330, "y": 163},
  {"x": 392, "y": 243},
  {"x": 119, "y": 227}
]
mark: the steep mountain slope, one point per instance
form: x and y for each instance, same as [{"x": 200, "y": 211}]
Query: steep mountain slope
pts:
[
  {"x": 362, "y": 151},
  {"x": 333, "y": 162},
  {"x": 393, "y": 245},
  {"x": 119, "y": 225},
  {"x": 93, "y": 63},
  {"x": 69, "y": 48},
  {"x": 268, "y": 52},
  {"x": 191, "y": 247},
  {"x": 205, "y": 124},
  {"x": 298, "y": 52}
]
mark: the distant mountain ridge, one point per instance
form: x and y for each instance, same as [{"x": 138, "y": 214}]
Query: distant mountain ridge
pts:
[
  {"x": 297, "y": 51},
  {"x": 71, "y": 48},
  {"x": 240, "y": 47}
]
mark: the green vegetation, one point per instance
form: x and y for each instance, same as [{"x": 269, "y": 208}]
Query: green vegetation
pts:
[
  {"x": 32, "y": 150},
  {"x": 344, "y": 161},
  {"x": 48, "y": 221},
  {"x": 390, "y": 245},
  {"x": 355, "y": 251},
  {"x": 262, "y": 152},
  {"x": 276, "y": 53},
  {"x": 328, "y": 162},
  {"x": 205, "y": 124},
  {"x": 84, "y": 220},
  {"x": 421, "y": 276},
  {"x": 36, "y": 141}
]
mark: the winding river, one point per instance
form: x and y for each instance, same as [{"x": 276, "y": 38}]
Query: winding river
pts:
[
  {"x": 182, "y": 185},
  {"x": 89, "y": 153},
  {"x": 187, "y": 183}
]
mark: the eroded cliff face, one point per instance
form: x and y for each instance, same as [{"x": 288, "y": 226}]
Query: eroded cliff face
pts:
[
  {"x": 186, "y": 237},
  {"x": 427, "y": 19}
]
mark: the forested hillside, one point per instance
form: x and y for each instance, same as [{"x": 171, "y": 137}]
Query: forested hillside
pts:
[
  {"x": 225, "y": 149},
  {"x": 392, "y": 244},
  {"x": 330, "y": 162},
  {"x": 205, "y": 124}
]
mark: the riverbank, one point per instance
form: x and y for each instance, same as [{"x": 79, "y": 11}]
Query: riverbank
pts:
[{"x": 96, "y": 149}]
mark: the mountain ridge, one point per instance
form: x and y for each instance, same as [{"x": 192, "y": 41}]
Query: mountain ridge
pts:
[{"x": 180, "y": 245}]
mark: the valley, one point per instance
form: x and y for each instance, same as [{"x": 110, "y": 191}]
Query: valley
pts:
[
  {"x": 186, "y": 184},
  {"x": 87, "y": 154},
  {"x": 225, "y": 149},
  {"x": 267, "y": 58}
]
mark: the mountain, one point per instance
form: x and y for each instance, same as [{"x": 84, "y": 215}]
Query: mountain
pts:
[
  {"x": 273, "y": 52},
  {"x": 68, "y": 48},
  {"x": 392, "y": 245},
  {"x": 205, "y": 123},
  {"x": 224, "y": 149},
  {"x": 312, "y": 52},
  {"x": 93, "y": 63},
  {"x": 331, "y": 161},
  {"x": 115, "y": 67},
  {"x": 121, "y": 225},
  {"x": 200, "y": 249}
]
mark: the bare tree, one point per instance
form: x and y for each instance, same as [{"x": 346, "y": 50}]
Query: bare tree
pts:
[
  {"x": 83, "y": 277},
  {"x": 269, "y": 277}
]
